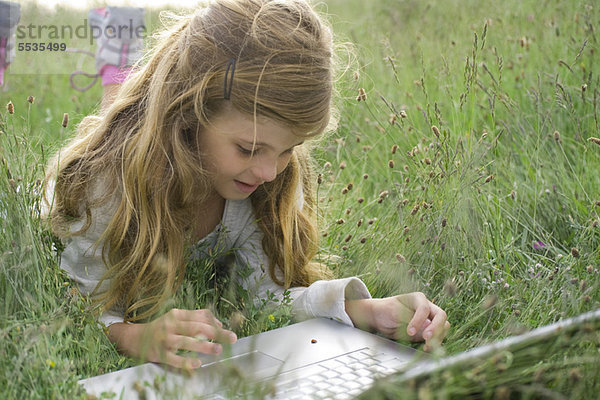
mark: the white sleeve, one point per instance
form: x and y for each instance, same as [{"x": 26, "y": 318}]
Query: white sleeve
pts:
[
  {"x": 82, "y": 260},
  {"x": 321, "y": 299}
]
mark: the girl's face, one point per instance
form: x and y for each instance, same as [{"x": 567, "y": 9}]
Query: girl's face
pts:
[{"x": 239, "y": 157}]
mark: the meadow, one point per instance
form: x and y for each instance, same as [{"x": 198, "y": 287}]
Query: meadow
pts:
[{"x": 465, "y": 165}]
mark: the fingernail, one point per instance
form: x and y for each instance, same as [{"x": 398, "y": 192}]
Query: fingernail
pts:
[
  {"x": 233, "y": 337},
  {"x": 218, "y": 349},
  {"x": 412, "y": 331},
  {"x": 427, "y": 335},
  {"x": 196, "y": 363}
]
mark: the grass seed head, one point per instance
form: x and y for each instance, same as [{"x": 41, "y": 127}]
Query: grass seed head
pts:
[
  {"x": 594, "y": 140},
  {"x": 502, "y": 393},
  {"x": 489, "y": 178},
  {"x": 403, "y": 114},
  {"x": 489, "y": 302},
  {"x": 366, "y": 176},
  {"x": 574, "y": 281},
  {"x": 343, "y": 165},
  {"x": 575, "y": 375},
  {"x": 401, "y": 259},
  {"x": 436, "y": 131},
  {"x": 450, "y": 288},
  {"x": 394, "y": 149},
  {"x": 360, "y": 200},
  {"x": 584, "y": 87},
  {"x": 557, "y": 136},
  {"x": 391, "y": 163},
  {"x": 10, "y": 107},
  {"x": 575, "y": 252},
  {"x": 236, "y": 320},
  {"x": 350, "y": 186},
  {"x": 31, "y": 99},
  {"x": 415, "y": 209},
  {"x": 65, "y": 120},
  {"x": 348, "y": 238},
  {"x": 393, "y": 119},
  {"x": 362, "y": 95},
  {"x": 340, "y": 221},
  {"x": 444, "y": 222}
]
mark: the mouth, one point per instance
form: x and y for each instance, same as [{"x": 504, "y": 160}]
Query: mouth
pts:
[{"x": 244, "y": 187}]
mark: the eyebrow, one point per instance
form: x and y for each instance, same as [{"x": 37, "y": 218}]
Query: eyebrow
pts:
[{"x": 268, "y": 146}]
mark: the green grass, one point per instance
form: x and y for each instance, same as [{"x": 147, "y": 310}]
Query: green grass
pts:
[{"x": 503, "y": 83}]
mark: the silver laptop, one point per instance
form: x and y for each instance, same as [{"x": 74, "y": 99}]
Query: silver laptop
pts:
[{"x": 317, "y": 358}]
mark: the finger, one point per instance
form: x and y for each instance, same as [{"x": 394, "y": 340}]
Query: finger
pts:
[
  {"x": 436, "y": 341},
  {"x": 203, "y": 315},
  {"x": 419, "y": 303},
  {"x": 196, "y": 345},
  {"x": 206, "y": 331},
  {"x": 435, "y": 330},
  {"x": 446, "y": 329},
  {"x": 182, "y": 362}
]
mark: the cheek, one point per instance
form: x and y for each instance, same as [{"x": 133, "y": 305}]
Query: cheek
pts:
[{"x": 282, "y": 163}]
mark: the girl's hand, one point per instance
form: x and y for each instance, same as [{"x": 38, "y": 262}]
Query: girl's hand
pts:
[
  {"x": 160, "y": 340},
  {"x": 407, "y": 316}
]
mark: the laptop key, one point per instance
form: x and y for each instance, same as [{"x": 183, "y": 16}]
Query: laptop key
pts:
[
  {"x": 337, "y": 389},
  {"x": 331, "y": 364},
  {"x": 351, "y": 384},
  {"x": 322, "y": 385},
  {"x": 365, "y": 380},
  {"x": 344, "y": 370},
  {"x": 329, "y": 374},
  {"x": 349, "y": 377}
]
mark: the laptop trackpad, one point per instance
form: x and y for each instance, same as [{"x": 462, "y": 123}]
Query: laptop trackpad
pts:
[{"x": 254, "y": 364}]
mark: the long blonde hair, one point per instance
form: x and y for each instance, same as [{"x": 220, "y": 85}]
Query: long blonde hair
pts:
[{"x": 143, "y": 149}]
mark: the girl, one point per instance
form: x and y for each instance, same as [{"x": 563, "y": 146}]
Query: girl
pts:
[{"x": 208, "y": 143}]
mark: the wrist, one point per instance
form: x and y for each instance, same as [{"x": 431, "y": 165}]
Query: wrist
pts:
[
  {"x": 125, "y": 337},
  {"x": 360, "y": 312}
]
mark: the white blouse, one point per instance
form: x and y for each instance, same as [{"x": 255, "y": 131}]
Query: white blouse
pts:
[{"x": 239, "y": 232}]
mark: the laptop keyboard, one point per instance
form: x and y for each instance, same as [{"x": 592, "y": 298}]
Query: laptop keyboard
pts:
[{"x": 339, "y": 378}]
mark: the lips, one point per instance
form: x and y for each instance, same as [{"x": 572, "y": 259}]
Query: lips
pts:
[{"x": 244, "y": 187}]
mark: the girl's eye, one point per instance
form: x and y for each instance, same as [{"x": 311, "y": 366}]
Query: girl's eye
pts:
[{"x": 246, "y": 151}]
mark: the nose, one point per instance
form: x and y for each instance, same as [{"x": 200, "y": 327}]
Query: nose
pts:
[{"x": 265, "y": 171}]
